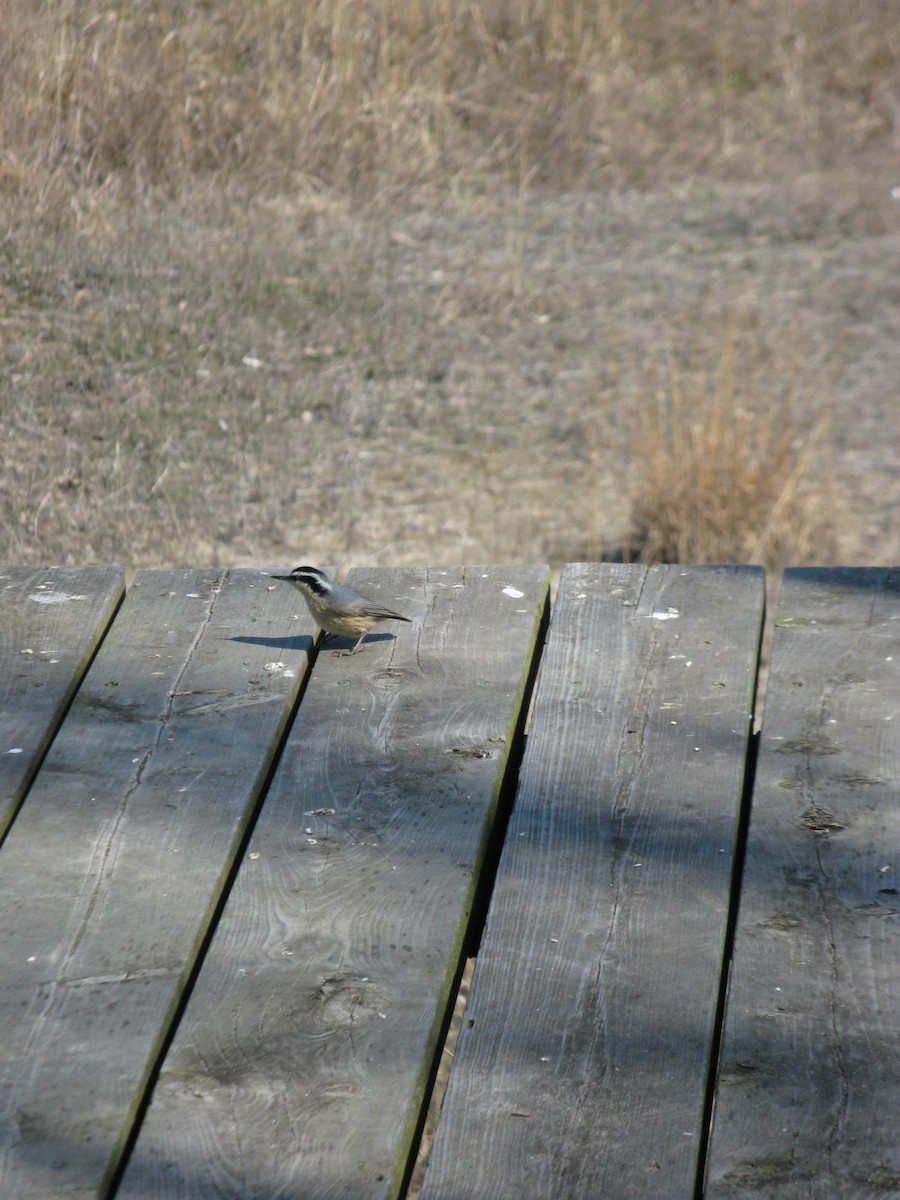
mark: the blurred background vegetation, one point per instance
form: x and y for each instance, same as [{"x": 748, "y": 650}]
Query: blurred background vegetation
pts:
[{"x": 399, "y": 281}]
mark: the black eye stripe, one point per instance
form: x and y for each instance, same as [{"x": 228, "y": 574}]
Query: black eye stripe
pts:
[{"x": 312, "y": 579}]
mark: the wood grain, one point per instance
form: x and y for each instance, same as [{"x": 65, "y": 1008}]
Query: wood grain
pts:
[
  {"x": 582, "y": 1064},
  {"x": 51, "y": 621},
  {"x": 809, "y": 1087},
  {"x": 116, "y": 862},
  {"x": 301, "y": 1065}
]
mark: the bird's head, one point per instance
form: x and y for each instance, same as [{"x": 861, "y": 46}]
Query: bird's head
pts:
[{"x": 309, "y": 580}]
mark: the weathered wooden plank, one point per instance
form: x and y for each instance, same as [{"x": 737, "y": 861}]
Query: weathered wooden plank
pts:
[
  {"x": 582, "y": 1065},
  {"x": 112, "y": 870},
  {"x": 302, "y": 1061},
  {"x": 809, "y": 1082},
  {"x": 51, "y": 621}
]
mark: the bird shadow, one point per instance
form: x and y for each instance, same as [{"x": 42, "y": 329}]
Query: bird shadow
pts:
[
  {"x": 302, "y": 643},
  {"x": 329, "y": 641}
]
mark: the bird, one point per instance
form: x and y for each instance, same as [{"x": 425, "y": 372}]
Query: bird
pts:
[{"x": 337, "y": 608}]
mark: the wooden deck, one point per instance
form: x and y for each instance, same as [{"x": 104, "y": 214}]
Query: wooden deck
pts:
[{"x": 241, "y": 875}]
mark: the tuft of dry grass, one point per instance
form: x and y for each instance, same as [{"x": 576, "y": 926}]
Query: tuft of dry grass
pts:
[{"x": 722, "y": 467}]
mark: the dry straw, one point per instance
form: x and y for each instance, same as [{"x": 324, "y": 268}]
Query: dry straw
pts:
[
  {"x": 350, "y": 94},
  {"x": 723, "y": 466}
]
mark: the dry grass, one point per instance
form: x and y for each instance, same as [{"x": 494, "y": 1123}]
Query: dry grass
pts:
[
  {"x": 282, "y": 276},
  {"x": 723, "y": 466},
  {"x": 103, "y": 95}
]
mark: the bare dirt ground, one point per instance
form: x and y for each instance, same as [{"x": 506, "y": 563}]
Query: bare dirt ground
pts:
[{"x": 442, "y": 379}]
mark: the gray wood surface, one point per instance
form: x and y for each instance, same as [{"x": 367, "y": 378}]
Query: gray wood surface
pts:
[
  {"x": 51, "y": 620},
  {"x": 809, "y": 1087},
  {"x": 300, "y": 1067},
  {"x": 111, "y": 871},
  {"x": 582, "y": 1064}
]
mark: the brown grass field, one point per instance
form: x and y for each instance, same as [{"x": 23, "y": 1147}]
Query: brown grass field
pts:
[{"x": 429, "y": 281}]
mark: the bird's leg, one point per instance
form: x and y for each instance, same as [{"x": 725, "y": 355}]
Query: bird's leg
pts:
[{"x": 347, "y": 653}]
